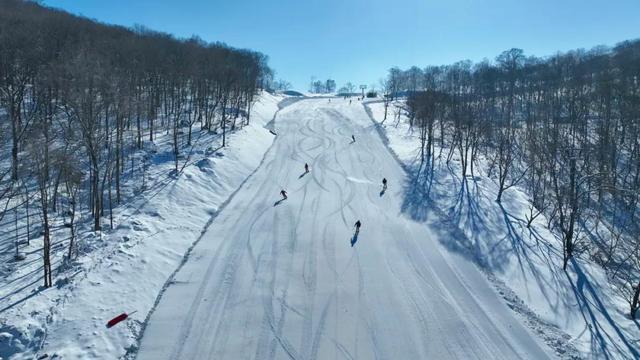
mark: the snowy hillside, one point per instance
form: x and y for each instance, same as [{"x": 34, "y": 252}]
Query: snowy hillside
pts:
[
  {"x": 576, "y": 312},
  {"x": 319, "y": 180},
  {"x": 124, "y": 269}
]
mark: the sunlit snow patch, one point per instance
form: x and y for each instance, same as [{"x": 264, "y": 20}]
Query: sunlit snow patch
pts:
[{"x": 362, "y": 181}]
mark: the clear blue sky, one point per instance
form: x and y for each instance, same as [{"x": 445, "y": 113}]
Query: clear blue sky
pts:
[{"x": 358, "y": 41}]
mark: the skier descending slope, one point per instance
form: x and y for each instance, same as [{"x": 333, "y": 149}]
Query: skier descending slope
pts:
[
  {"x": 384, "y": 186},
  {"x": 357, "y": 225},
  {"x": 354, "y": 239},
  {"x": 284, "y": 194},
  {"x": 306, "y": 168}
]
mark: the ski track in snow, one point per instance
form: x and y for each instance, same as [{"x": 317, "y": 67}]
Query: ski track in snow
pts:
[{"x": 282, "y": 281}]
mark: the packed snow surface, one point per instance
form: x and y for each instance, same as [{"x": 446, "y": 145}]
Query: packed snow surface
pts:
[{"x": 278, "y": 279}]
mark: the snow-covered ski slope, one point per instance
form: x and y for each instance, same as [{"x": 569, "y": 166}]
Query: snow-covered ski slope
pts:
[{"x": 279, "y": 280}]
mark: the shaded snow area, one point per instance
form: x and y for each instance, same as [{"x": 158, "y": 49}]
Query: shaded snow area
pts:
[
  {"x": 274, "y": 278},
  {"x": 124, "y": 269},
  {"x": 576, "y": 312}
]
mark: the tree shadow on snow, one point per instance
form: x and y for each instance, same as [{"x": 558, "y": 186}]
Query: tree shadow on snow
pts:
[
  {"x": 419, "y": 204},
  {"x": 530, "y": 255},
  {"x": 590, "y": 303},
  {"x": 464, "y": 227},
  {"x": 534, "y": 253},
  {"x": 354, "y": 239},
  {"x": 416, "y": 202},
  {"x": 29, "y": 295}
]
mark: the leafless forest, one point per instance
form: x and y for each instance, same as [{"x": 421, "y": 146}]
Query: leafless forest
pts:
[
  {"x": 566, "y": 128},
  {"x": 77, "y": 98}
]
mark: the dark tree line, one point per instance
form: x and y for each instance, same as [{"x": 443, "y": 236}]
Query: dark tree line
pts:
[
  {"x": 565, "y": 127},
  {"x": 78, "y": 98},
  {"x": 322, "y": 87}
]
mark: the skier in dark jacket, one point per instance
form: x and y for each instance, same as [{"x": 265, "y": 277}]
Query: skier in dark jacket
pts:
[
  {"x": 353, "y": 138},
  {"x": 306, "y": 167},
  {"x": 284, "y": 194},
  {"x": 357, "y": 225},
  {"x": 384, "y": 184}
]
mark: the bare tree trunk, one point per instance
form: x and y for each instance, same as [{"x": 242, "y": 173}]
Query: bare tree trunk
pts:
[
  {"x": 14, "y": 113},
  {"x": 110, "y": 201},
  {"x": 47, "y": 233},
  {"x": 72, "y": 216},
  {"x": 118, "y": 155},
  {"x": 97, "y": 206},
  {"x": 224, "y": 120},
  {"x": 176, "y": 149},
  {"x": 635, "y": 303}
]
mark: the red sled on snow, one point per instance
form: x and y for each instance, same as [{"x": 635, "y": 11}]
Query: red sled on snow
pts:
[{"x": 117, "y": 319}]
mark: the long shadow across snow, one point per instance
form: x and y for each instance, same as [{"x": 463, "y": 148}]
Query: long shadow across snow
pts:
[{"x": 420, "y": 203}]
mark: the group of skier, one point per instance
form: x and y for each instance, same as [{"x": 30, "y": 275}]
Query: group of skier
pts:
[{"x": 358, "y": 223}]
